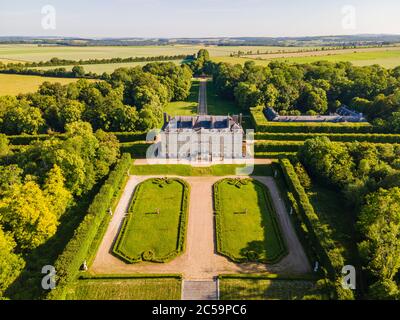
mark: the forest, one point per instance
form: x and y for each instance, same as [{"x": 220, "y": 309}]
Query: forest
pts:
[{"x": 317, "y": 88}]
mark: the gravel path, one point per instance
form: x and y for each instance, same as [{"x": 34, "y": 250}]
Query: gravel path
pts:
[{"x": 200, "y": 261}]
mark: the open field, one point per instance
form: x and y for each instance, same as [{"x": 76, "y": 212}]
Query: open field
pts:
[
  {"x": 35, "y": 53},
  {"x": 246, "y": 222},
  {"x": 188, "y": 107},
  {"x": 153, "y": 228},
  {"x": 265, "y": 289},
  {"x": 126, "y": 289},
  {"x": 11, "y": 84},
  {"x": 106, "y": 67},
  {"x": 386, "y": 57}
]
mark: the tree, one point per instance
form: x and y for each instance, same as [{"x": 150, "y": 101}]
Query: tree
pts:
[
  {"x": 78, "y": 71},
  {"x": 10, "y": 263},
  {"x": 4, "y": 146},
  {"x": 28, "y": 213},
  {"x": 379, "y": 222},
  {"x": 55, "y": 191}
]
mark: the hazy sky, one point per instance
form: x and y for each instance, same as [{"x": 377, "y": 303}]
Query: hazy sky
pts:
[{"x": 200, "y": 18}]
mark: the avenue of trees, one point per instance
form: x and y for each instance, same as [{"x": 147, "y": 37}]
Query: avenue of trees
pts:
[
  {"x": 317, "y": 88},
  {"x": 131, "y": 99},
  {"x": 40, "y": 182},
  {"x": 369, "y": 177}
]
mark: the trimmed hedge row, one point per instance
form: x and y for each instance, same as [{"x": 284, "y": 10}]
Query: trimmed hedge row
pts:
[
  {"x": 317, "y": 233},
  {"x": 269, "y": 276},
  {"x": 70, "y": 260},
  {"x": 275, "y": 224},
  {"x": 337, "y": 137},
  {"x": 277, "y": 146},
  {"x": 273, "y": 155},
  {"x": 261, "y": 124},
  {"x": 181, "y": 245},
  {"x": 122, "y": 137}
]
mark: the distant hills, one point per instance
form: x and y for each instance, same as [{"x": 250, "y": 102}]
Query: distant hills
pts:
[{"x": 338, "y": 40}]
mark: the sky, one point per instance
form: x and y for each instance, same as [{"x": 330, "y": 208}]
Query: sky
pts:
[{"x": 197, "y": 18}]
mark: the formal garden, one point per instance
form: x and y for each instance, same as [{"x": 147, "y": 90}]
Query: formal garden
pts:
[
  {"x": 154, "y": 228},
  {"x": 246, "y": 222}
]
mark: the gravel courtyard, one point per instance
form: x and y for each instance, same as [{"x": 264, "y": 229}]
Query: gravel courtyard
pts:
[{"x": 200, "y": 261}]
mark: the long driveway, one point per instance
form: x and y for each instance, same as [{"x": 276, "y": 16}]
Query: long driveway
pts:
[
  {"x": 202, "y": 108},
  {"x": 200, "y": 260}
]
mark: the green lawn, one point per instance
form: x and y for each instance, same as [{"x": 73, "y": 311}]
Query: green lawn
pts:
[
  {"x": 247, "y": 226},
  {"x": 126, "y": 289},
  {"x": 188, "y": 170},
  {"x": 217, "y": 105},
  {"x": 188, "y": 107},
  {"x": 155, "y": 227},
  {"x": 267, "y": 289}
]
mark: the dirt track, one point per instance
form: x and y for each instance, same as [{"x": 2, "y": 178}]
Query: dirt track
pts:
[{"x": 200, "y": 261}]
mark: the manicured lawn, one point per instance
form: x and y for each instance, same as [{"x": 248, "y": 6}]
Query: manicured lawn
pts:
[
  {"x": 13, "y": 84},
  {"x": 154, "y": 229},
  {"x": 267, "y": 289},
  {"x": 217, "y": 105},
  {"x": 126, "y": 289},
  {"x": 246, "y": 222},
  {"x": 187, "y": 170},
  {"x": 188, "y": 107}
]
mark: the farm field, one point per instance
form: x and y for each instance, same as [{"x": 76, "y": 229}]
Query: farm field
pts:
[
  {"x": 126, "y": 289},
  {"x": 11, "y": 84},
  {"x": 34, "y": 53},
  {"x": 388, "y": 57},
  {"x": 246, "y": 222},
  {"x": 188, "y": 107},
  {"x": 153, "y": 229},
  {"x": 265, "y": 289},
  {"x": 106, "y": 67}
]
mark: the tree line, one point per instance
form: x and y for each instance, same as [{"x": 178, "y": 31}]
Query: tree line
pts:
[
  {"x": 55, "y": 62},
  {"x": 129, "y": 99}
]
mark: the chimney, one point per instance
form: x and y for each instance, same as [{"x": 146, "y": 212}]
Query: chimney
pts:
[
  {"x": 193, "y": 121},
  {"x": 240, "y": 119}
]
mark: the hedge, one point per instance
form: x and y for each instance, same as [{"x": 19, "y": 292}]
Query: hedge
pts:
[
  {"x": 25, "y": 139},
  {"x": 130, "y": 136},
  {"x": 277, "y": 146},
  {"x": 275, "y": 224},
  {"x": 261, "y": 124},
  {"x": 70, "y": 260},
  {"x": 315, "y": 231},
  {"x": 337, "y": 137},
  {"x": 181, "y": 244}
]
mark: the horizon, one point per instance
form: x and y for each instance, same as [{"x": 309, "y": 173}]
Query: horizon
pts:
[{"x": 198, "y": 19}]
